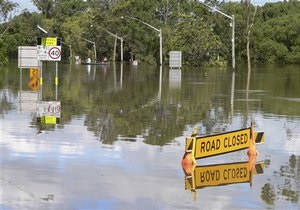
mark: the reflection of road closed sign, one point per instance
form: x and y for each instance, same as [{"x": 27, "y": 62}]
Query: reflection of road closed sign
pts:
[
  {"x": 222, "y": 174},
  {"x": 54, "y": 53},
  {"x": 49, "y": 108}
]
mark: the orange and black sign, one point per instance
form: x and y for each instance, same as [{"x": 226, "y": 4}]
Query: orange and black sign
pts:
[{"x": 34, "y": 74}]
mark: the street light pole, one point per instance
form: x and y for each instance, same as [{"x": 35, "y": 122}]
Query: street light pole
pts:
[
  {"x": 155, "y": 29},
  {"x": 121, "y": 49},
  {"x": 233, "y": 43},
  {"x": 232, "y": 25},
  {"x": 160, "y": 46},
  {"x": 121, "y": 40},
  {"x": 94, "y": 45},
  {"x": 42, "y": 29},
  {"x": 117, "y": 37}
]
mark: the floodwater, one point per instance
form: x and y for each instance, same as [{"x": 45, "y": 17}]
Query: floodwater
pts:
[{"x": 117, "y": 135}]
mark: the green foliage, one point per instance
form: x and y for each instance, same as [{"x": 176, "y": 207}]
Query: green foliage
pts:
[
  {"x": 3, "y": 53},
  {"x": 196, "y": 40},
  {"x": 18, "y": 32},
  {"x": 45, "y": 6},
  {"x": 68, "y": 8},
  {"x": 270, "y": 51},
  {"x": 274, "y": 10},
  {"x": 73, "y": 30},
  {"x": 6, "y": 7},
  {"x": 277, "y": 40},
  {"x": 142, "y": 42}
]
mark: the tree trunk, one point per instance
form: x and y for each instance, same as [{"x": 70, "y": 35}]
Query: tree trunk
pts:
[{"x": 249, "y": 26}]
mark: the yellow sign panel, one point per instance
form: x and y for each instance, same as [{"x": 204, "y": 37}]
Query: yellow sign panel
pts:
[
  {"x": 49, "y": 41},
  {"x": 34, "y": 72},
  {"x": 216, "y": 175},
  {"x": 33, "y": 84},
  {"x": 222, "y": 143},
  {"x": 49, "y": 119},
  {"x": 189, "y": 183},
  {"x": 221, "y": 174}
]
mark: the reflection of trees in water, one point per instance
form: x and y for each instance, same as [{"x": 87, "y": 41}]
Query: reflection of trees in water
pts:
[
  {"x": 216, "y": 119},
  {"x": 6, "y": 101},
  {"x": 292, "y": 131},
  {"x": 268, "y": 194},
  {"x": 102, "y": 126},
  {"x": 163, "y": 125},
  {"x": 135, "y": 110},
  {"x": 290, "y": 188}
]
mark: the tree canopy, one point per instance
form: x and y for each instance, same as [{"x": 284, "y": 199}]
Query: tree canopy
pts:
[{"x": 202, "y": 35}]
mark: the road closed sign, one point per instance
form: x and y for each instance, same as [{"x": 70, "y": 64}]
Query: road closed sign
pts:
[
  {"x": 222, "y": 143},
  {"x": 207, "y": 146}
]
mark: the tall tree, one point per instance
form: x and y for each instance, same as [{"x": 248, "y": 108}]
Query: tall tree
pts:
[
  {"x": 141, "y": 40},
  {"x": 276, "y": 38},
  {"x": 196, "y": 40},
  {"x": 6, "y": 7},
  {"x": 45, "y": 6},
  {"x": 250, "y": 22}
]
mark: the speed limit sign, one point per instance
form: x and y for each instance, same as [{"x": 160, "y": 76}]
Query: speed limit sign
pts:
[{"x": 55, "y": 53}]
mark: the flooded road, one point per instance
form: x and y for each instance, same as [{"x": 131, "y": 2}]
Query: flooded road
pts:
[{"x": 119, "y": 136}]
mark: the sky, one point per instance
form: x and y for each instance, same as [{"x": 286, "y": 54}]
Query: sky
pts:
[{"x": 27, "y": 4}]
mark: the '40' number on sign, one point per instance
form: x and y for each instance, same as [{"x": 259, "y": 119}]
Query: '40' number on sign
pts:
[{"x": 54, "y": 53}]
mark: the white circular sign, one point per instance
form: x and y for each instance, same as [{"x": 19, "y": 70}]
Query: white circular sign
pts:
[{"x": 54, "y": 53}]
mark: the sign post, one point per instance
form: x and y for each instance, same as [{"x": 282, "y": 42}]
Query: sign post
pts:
[
  {"x": 49, "y": 49},
  {"x": 32, "y": 57}
]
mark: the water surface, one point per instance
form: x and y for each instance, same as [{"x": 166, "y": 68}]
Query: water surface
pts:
[{"x": 122, "y": 131}]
